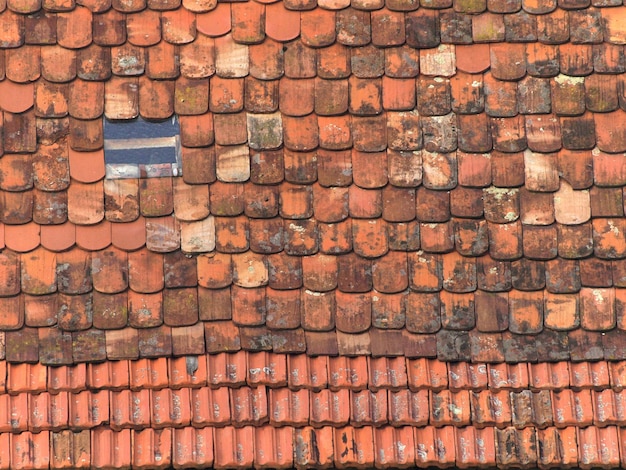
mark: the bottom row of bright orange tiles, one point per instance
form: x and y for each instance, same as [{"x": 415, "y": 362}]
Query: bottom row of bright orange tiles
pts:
[{"x": 287, "y": 447}]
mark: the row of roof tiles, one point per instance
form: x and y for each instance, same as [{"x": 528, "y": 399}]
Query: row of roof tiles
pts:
[
  {"x": 297, "y": 371},
  {"x": 165, "y": 234},
  {"x": 70, "y": 25},
  {"x": 461, "y": 6},
  {"x": 261, "y": 66},
  {"x": 263, "y": 238},
  {"x": 268, "y": 133},
  {"x": 283, "y": 182},
  {"x": 53, "y": 346},
  {"x": 429, "y": 136},
  {"x": 432, "y": 135},
  {"x": 305, "y": 238},
  {"x": 113, "y": 271},
  {"x": 480, "y": 174},
  {"x": 244, "y": 406},
  {"x": 277, "y": 312},
  {"x": 326, "y": 447},
  {"x": 407, "y": 99}
]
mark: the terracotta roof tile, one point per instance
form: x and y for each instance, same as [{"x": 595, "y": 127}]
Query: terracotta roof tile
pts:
[
  {"x": 210, "y": 406},
  {"x": 596, "y": 438},
  {"x": 110, "y": 446},
  {"x": 129, "y": 236}
]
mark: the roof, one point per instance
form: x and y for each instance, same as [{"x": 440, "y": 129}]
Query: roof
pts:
[{"x": 397, "y": 240}]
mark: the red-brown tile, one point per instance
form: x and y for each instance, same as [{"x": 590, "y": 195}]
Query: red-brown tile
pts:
[
  {"x": 288, "y": 407},
  {"x": 30, "y": 450},
  {"x": 22, "y": 64},
  {"x": 399, "y": 95},
  {"x": 151, "y": 448},
  {"x": 552, "y": 440},
  {"x": 437, "y": 237},
  {"x": 67, "y": 378},
  {"x": 475, "y": 446},
  {"x": 608, "y": 407},
  {"x": 528, "y": 407},
  {"x": 427, "y": 374},
  {"x": 210, "y": 406},
  {"x": 572, "y": 408},
  {"x": 21, "y": 345},
  {"x": 79, "y": 211},
  {"x": 509, "y": 134},
  {"x": 248, "y": 23},
  {"x": 522, "y": 446},
  {"x": 368, "y": 408},
  {"x": 148, "y": 373},
  {"x": 598, "y": 446},
  {"x": 10, "y": 269},
  {"x": 111, "y": 447},
  {"x": 231, "y": 58},
  {"x": 14, "y": 414},
  {"x": 47, "y": 411},
  {"x": 508, "y": 376},
  {"x": 274, "y": 447},
  {"x": 408, "y": 408},
  {"x": 58, "y": 237},
  {"x": 382, "y": 306},
  {"x": 436, "y": 446},
  {"x": 387, "y": 373},
  {"x": 129, "y": 409},
  {"x": 487, "y": 27},
  {"x": 22, "y": 238},
  {"x": 597, "y": 309},
  {"x": 15, "y": 320},
  {"x": 18, "y": 207},
  {"x": 595, "y": 272},
  {"x": 192, "y": 447},
  {"x": 216, "y": 21},
  {"x": 542, "y": 60},
  {"x": 226, "y": 454},
  {"x": 307, "y": 372},
  {"x": 508, "y": 61},
  {"x": 317, "y": 311},
  {"x": 109, "y": 375},
  {"x": 38, "y": 272},
  {"x": 450, "y": 408},
  {"x": 313, "y": 446},
  {"x": 170, "y": 408},
  {"x": 490, "y": 409},
  {"x": 86, "y": 167},
  {"x": 575, "y": 59},
  {"x": 155, "y": 342},
  {"x": 353, "y": 314},
  {"x": 266, "y": 64},
  {"x": 549, "y": 376},
  {"x": 267, "y": 369},
  {"x": 70, "y": 450},
  {"x": 26, "y": 378},
  {"x": 395, "y": 446},
  {"x": 463, "y": 375},
  {"x": 281, "y": 24},
  {"x": 361, "y": 454},
  {"x": 88, "y": 409}
]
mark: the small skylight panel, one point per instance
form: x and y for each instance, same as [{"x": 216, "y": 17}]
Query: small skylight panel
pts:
[{"x": 137, "y": 148}]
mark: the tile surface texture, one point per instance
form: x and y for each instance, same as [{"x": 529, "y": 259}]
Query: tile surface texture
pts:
[{"x": 398, "y": 239}]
